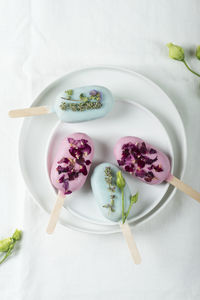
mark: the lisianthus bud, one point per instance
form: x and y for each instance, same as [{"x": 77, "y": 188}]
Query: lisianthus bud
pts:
[
  {"x": 120, "y": 180},
  {"x": 5, "y": 244},
  {"x": 17, "y": 235},
  {"x": 198, "y": 52},
  {"x": 176, "y": 52}
]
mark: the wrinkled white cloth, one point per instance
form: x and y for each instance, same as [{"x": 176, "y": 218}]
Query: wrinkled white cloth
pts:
[{"x": 41, "y": 40}]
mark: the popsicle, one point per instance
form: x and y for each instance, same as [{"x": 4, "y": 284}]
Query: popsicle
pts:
[
  {"x": 114, "y": 200},
  {"x": 69, "y": 170},
  {"x": 148, "y": 164},
  {"x": 74, "y": 105}
]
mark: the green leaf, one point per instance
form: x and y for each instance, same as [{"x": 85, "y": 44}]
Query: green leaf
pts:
[
  {"x": 198, "y": 52},
  {"x": 134, "y": 199}
]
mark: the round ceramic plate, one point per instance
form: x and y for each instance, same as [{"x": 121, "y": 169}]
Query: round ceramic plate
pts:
[{"x": 127, "y": 118}]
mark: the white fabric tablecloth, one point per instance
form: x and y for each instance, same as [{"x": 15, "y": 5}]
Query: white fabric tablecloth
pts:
[{"x": 43, "y": 39}]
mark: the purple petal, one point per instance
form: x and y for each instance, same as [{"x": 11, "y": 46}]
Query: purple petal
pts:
[
  {"x": 68, "y": 192},
  {"x": 121, "y": 162},
  {"x": 71, "y": 141},
  {"x": 140, "y": 163},
  {"x": 80, "y": 161},
  {"x": 140, "y": 173},
  {"x": 150, "y": 161},
  {"x": 129, "y": 168},
  {"x": 83, "y": 170},
  {"x": 61, "y": 179},
  {"x": 152, "y": 151},
  {"x": 75, "y": 152},
  {"x": 87, "y": 162},
  {"x": 143, "y": 148},
  {"x": 158, "y": 168},
  {"x": 65, "y": 185},
  {"x": 125, "y": 153},
  {"x": 87, "y": 149},
  {"x": 126, "y": 146},
  {"x": 149, "y": 176},
  {"x": 134, "y": 149},
  {"x": 148, "y": 179},
  {"x": 63, "y": 160},
  {"x": 60, "y": 169},
  {"x": 71, "y": 176},
  {"x": 93, "y": 92},
  {"x": 150, "y": 168}
]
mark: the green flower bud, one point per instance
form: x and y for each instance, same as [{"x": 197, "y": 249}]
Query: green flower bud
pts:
[
  {"x": 198, "y": 52},
  {"x": 176, "y": 52},
  {"x": 17, "y": 235},
  {"x": 5, "y": 244},
  {"x": 120, "y": 180}
]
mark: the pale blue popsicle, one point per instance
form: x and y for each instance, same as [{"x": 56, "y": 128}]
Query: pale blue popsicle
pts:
[
  {"x": 83, "y": 104},
  {"x": 78, "y": 105},
  {"x": 103, "y": 194}
]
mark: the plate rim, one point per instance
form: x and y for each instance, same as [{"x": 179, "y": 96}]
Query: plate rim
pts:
[{"x": 154, "y": 211}]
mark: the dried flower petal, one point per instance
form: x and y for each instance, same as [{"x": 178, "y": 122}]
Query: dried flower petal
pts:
[
  {"x": 143, "y": 148},
  {"x": 83, "y": 170},
  {"x": 61, "y": 179},
  {"x": 140, "y": 163},
  {"x": 63, "y": 160},
  {"x": 65, "y": 185},
  {"x": 150, "y": 161},
  {"x": 87, "y": 149},
  {"x": 72, "y": 175},
  {"x": 80, "y": 161},
  {"x": 152, "y": 151},
  {"x": 121, "y": 162},
  {"x": 129, "y": 168},
  {"x": 71, "y": 141},
  {"x": 75, "y": 152},
  {"x": 68, "y": 192},
  {"x": 140, "y": 173},
  {"x": 60, "y": 169},
  {"x": 158, "y": 168},
  {"x": 93, "y": 92}
]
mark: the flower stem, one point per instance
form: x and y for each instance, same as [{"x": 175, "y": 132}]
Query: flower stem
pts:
[
  {"x": 126, "y": 214},
  {"x": 6, "y": 255},
  {"x": 195, "y": 73},
  {"x": 69, "y": 99},
  {"x": 123, "y": 219}
]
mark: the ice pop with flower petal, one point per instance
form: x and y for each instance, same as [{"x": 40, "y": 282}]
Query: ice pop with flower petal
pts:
[
  {"x": 77, "y": 105},
  {"x": 148, "y": 164},
  {"x": 70, "y": 169}
]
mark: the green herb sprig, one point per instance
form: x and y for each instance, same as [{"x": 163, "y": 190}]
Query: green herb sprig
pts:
[
  {"x": 176, "y": 52},
  {"x": 111, "y": 188},
  {"x": 84, "y": 103},
  {"x": 7, "y": 245}
]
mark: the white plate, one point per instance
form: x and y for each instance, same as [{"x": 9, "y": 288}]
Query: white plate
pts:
[
  {"x": 124, "y": 84},
  {"x": 127, "y": 118}
]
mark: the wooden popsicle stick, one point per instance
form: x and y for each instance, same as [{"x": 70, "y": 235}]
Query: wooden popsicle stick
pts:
[
  {"x": 55, "y": 214},
  {"x": 29, "y": 112},
  {"x": 184, "y": 187},
  {"x": 126, "y": 230}
]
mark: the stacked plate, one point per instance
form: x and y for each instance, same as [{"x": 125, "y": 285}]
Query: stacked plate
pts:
[{"x": 142, "y": 109}]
